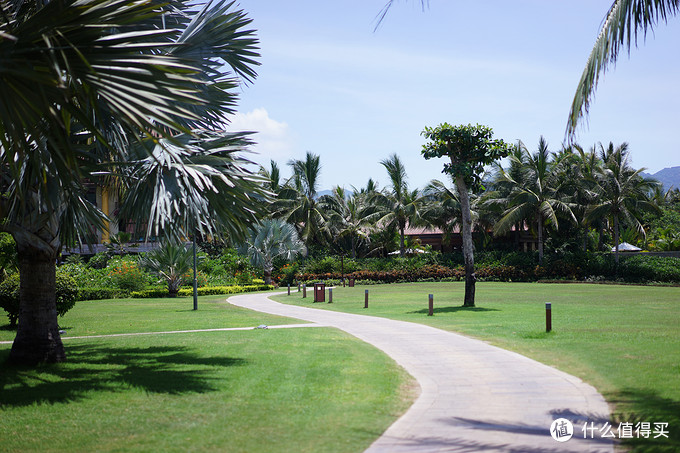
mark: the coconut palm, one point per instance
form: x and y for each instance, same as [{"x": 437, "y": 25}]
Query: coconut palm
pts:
[
  {"x": 297, "y": 202},
  {"x": 621, "y": 194},
  {"x": 96, "y": 89},
  {"x": 625, "y": 19},
  {"x": 579, "y": 170},
  {"x": 399, "y": 205},
  {"x": 537, "y": 196},
  {"x": 350, "y": 217},
  {"x": 272, "y": 238},
  {"x": 171, "y": 262}
]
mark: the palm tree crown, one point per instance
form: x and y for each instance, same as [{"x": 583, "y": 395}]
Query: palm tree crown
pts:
[
  {"x": 537, "y": 195},
  {"x": 97, "y": 91},
  {"x": 399, "y": 205}
]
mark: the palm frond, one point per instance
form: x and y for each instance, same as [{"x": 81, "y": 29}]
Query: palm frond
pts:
[{"x": 624, "y": 22}]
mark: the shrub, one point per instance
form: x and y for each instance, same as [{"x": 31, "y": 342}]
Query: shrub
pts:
[
  {"x": 642, "y": 268},
  {"x": 99, "y": 261},
  {"x": 87, "y": 277},
  {"x": 66, "y": 295},
  {"x": 100, "y": 293},
  {"x": 188, "y": 279},
  {"x": 9, "y": 298},
  {"x": 287, "y": 273},
  {"x": 127, "y": 275},
  {"x": 205, "y": 291}
]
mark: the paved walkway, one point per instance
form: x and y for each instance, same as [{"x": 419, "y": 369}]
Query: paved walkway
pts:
[{"x": 474, "y": 397}]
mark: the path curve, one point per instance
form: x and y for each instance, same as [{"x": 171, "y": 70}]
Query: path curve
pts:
[{"x": 474, "y": 396}]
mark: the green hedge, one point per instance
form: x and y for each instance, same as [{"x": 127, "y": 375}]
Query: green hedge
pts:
[
  {"x": 66, "y": 295},
  {"x": 204, "y": 291},
  {"x": 100, "y": 293},
  {"x": 578, "y": 267}
]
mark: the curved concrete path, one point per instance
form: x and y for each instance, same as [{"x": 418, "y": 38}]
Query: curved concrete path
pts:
[{"x": 474, "y": 396}]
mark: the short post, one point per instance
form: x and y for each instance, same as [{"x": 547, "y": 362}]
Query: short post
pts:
[
  {"x": 548, "y": 317},
  {"x": 289, "y": 289},
  {"x": 330, "y": 295},
  {"x": 366, "y": 299},
  {"x": 304, "y": 290},
  {"x": 430, "y": 309}
]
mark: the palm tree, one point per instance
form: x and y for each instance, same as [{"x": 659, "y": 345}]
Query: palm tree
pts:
[
  {"x": 349, "y": 217},
  {"x": 272, "y": 177},
  {"x": 171, "y": 261},
  {"x": 297, "y": 203},
  {"x": 622, "y": 194},
  {"x": 94, "y": 90},
  {"x": 579, "y": 169},
  {"x": 536, "y": 196},
  {"x": 624, "y": 20},
  {"x": 272, "y": 238},
  {"x": 398, "y": 205}
]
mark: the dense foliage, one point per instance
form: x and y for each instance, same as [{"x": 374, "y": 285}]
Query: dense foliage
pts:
[{"x": 67, "y": 294}]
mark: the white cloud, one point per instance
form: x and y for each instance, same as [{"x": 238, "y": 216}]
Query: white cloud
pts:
[{"x": 273, "y": 139}]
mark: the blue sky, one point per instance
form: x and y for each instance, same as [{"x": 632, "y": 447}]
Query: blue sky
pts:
[{"x": 331, "y": 85}]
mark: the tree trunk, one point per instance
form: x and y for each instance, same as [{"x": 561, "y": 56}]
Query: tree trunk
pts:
[
  {"x": 540, "y": 239},
  {"x": 468, "y": 247},
  {"x": 616, "y": 241},
  {"x": 402, "y": 244},
  {"x": 38, "y": 339},
  {"x": 354, "y": 248},
  {"x": 267, "y": 271}
]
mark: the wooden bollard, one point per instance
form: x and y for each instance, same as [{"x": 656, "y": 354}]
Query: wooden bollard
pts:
[
  {"x": 548, "y": 316},
  {"x": 304, "y": 290},
  {"x": 330, "y": 295},
  {"x": 366, "y": 299},
  {"x": 430, "y": 305},
  {"x": 289, "y": 289},
  {"x": 343, "y": 282}
]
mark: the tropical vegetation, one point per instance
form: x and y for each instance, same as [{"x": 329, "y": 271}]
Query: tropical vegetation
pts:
[{"x": 131, "y": 95}]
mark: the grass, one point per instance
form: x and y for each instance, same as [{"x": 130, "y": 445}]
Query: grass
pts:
[
  {"x": 624, "y": 340},
  {"x": 102, "y": 317},
  {"x": 274, "y": 390}
]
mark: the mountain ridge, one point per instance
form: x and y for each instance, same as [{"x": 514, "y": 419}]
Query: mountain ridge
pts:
[{"x": 669, "y": 177}]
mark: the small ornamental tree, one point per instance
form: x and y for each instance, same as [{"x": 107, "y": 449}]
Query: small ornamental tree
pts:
[
  {"x": 469, "y": 148},
  {"x": 272, "y": 238}
]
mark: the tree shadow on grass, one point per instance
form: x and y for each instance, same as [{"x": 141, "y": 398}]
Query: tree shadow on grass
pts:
[
  {"x": 160, "y": 369},
  {"x": 650, "y": 408},
  {"x": 454, "y": 310}
]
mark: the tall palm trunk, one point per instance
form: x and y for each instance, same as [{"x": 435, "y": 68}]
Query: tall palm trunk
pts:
[
  {"x": 468, "y": 247},
  {"x": 38, "y": 338},
  {"x": 616, "y": 240},
  {"x": 402, "y": 243},
  {"x": 540, "y": 239}
]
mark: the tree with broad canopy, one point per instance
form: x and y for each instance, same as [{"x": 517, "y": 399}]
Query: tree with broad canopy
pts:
[
  {"x": 469, "y": 148},
  {"x": 128, "y": 95}
]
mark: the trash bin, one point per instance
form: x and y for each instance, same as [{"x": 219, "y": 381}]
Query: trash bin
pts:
[
  {"x": 351, "y": 282},
  {"x": 319, "y": 292}
]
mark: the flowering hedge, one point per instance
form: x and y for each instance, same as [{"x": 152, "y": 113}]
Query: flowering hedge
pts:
[
  {"x": 204, "y": 291},
  {"x": 432, "y": 272}
]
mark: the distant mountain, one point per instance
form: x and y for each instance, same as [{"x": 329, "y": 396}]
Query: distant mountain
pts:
[{"x": 669, "y": 177}]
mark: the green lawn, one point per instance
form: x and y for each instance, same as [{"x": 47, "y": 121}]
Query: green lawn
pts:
[
  {"x": 306, "y": 389},
  {"x": 624, "y": 340},
  {"x": 101, "y": 317}
]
